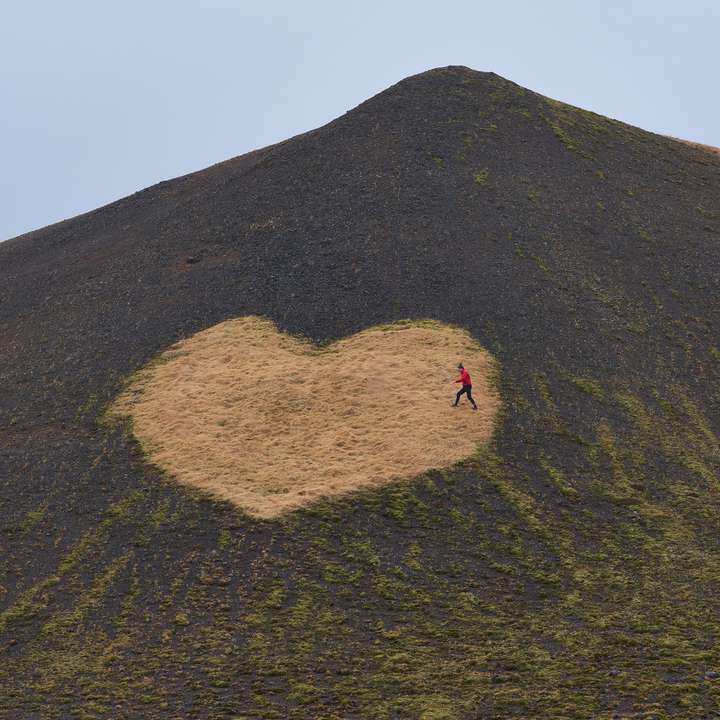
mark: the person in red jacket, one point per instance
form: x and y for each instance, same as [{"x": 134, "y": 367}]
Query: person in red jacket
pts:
[{"x": 466, "y": 387}]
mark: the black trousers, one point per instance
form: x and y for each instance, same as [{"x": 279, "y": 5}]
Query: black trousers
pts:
[{"x": 468, "y": 390}]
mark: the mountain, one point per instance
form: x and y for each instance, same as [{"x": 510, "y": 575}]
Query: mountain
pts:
[{"x": 569, "y": 569}]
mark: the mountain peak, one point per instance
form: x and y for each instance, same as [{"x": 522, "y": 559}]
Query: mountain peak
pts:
[{"x": 564, "y": 568}]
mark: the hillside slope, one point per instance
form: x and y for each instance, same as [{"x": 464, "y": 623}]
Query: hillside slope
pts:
[{"x": 571, "y": 570}]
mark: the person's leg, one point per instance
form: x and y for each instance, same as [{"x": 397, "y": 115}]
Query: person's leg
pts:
[
  {"x": 459, "y": 394},
  {"x": 470, "y": 397}
]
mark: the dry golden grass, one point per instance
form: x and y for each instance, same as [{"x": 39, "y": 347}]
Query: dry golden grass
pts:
[
  {"x": 700, "y": 146},
  {"x": 272, "y": 422}
]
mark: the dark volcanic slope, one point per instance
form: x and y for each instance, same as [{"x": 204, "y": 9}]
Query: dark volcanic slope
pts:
[{"x": 570, "y": 571}]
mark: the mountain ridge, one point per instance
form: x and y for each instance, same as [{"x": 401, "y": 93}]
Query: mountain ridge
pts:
[
  {"x": 569, "y": 569},
  {"x": 259, "y": 152}
]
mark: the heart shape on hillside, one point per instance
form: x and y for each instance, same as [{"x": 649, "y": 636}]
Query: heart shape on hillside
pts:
[{"x": 271, "y": 421}]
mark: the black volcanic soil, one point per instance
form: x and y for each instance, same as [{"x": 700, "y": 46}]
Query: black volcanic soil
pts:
[{"x": 570, "y": 571}]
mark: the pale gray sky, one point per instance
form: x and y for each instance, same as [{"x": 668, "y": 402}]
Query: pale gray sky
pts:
[{"x": 102, "y": 99}]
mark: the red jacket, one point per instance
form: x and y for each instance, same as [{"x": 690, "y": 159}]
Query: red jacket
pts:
[{"x": 464, "y": 377}]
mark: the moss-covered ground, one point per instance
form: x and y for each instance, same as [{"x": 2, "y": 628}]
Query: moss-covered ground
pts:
[{"x": 463, "y": 593}]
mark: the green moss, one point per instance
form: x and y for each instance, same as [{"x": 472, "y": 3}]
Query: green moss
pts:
[
  {"x": 85, "y": 546},
  {"x": 481, "y": 176},
  {"x": 576, "y": 129},
  {"x": 33, "y": 518},
  {"x": 559, "y": 479},
  {"x": 590, "y": 387},
  {"x": 123, "y": 508},
  {"x": 69, "y": 621},
  {"x": 28, "y": 604},
  {"x": 224, "y": 539},
  {"x": 635, "y": 408},
  {"x": 303, "y": 693},
  {"x": 540, "y": 263},
  {"x": 621, "y": 489},
  {"x": 645, "y": 236}
]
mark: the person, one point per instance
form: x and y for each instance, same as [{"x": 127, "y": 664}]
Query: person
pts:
[{"x": 466, "y": 387}]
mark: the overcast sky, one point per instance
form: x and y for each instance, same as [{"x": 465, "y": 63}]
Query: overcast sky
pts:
[{"x": 102, "y": 99}]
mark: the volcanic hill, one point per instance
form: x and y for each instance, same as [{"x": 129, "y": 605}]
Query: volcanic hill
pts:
[{"x": 569, "y": 568}]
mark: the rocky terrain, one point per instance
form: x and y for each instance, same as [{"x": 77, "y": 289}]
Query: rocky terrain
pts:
[{"x": 568, "y": 570}]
